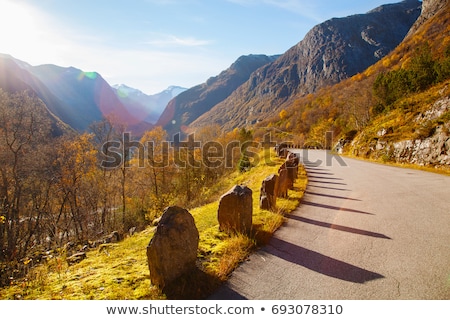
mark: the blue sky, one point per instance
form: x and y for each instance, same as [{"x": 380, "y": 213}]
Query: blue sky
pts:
[{"x": 152, "y": 44}]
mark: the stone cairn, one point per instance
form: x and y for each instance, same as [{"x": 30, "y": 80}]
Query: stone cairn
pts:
[
  {"x": 236, "y": 210},
  {"x": 172, "y": 252}
]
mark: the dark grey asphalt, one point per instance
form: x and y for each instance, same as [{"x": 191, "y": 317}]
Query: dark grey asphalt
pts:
[{"x": 363, "y": 231}]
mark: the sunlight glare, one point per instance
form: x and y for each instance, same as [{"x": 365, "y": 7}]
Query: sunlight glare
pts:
[{"x": 26, "y": 34}]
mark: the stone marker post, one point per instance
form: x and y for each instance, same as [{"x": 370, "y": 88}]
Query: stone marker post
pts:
[
  {"x": 172, "y": 252},
  {"x": 236, "y": 210}
]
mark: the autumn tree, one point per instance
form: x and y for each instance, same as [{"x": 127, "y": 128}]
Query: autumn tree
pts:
[
  {"x": 76, "y": 163},
  {"x": 106, "y": 133},
  {"x": 24, "y": 133},
  {"x": 155, "y": 177}
]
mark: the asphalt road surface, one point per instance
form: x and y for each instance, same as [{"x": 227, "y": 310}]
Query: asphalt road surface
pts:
[{"x": 363, "y": 231}]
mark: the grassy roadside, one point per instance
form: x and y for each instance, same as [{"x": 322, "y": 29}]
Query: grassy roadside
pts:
[{"x": 119, "y": 271}]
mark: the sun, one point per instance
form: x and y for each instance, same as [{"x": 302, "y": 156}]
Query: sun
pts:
[
  {"x": 18, "y": 26},
  {"x": 29, "y": 34}
]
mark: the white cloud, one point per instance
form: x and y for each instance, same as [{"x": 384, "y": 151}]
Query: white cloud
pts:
[{"x": 171, "y": 40}]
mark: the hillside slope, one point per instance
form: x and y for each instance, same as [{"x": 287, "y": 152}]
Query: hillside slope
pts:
[
  {"x": 409, "y": 125},
  {"x": 415, "y": 128},
  {"x": 192, "y": 103},
  {"x": 331, "y": 52},
  {"x": 75, "y": 97}
]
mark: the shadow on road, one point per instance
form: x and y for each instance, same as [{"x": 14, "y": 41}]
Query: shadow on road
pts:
[
  {"x": 326, "y": 206},
  {"x": 324, "y": 178},
  {"x": 320, "y": 263},
  {"x": 319, "y": 172},
  {"x": 328, "y": 188},
  {"x": 327, "y": 182},
  {"x": 339, "y": 227},
  {"x": 330, "y": 196},
  {"x": 226, "y": 293}
]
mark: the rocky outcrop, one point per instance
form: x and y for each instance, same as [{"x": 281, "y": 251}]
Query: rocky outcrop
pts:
[
  {"x": 429, "y": 147},
  {"x": 236, "y": 210},
  {"x": 172, "y": 251},
  {"x": 429, "y": 9},
  {"x": 434, "y": 150}
]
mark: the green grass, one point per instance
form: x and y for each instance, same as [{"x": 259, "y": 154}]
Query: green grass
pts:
[{"x": 120, "y": 271}]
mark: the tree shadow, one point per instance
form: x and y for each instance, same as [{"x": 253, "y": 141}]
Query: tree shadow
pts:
[
  {"x": 320, "y": 263},
  {"x": 339, "y": 227}
]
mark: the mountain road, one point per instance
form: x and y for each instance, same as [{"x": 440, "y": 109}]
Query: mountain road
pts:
[{"x": 362, "y": 231}]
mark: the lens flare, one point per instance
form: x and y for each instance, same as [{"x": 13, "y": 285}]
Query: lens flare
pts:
[{"x": 89, "y": 75}]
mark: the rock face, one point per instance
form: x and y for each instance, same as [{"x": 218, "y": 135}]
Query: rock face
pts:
[
  {"x": 429, "y": 9},
  {"x": 172, "y": 252},
  {"x": 434, "y": 150},
  {"x": 331, "y": 52},
  {"x": 236, "y": 210},
  {"x": 268, "y": 194},
  {"x": 430, "y": 148}
]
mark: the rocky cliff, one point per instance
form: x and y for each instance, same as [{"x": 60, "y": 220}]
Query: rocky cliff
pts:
[
  {"x": 332, "y": 51},
  {"x": 429, "y": 9}
]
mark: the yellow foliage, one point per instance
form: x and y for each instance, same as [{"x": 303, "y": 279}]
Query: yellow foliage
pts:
[{"x": 283, "y": 114}]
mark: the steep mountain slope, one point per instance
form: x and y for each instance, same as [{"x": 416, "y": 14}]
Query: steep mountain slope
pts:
[
  {"x": 414, "y": 127},
  {"x": 332, "y": 51},
  {"x": 15, "y": 78},
  {"x": 190, "y": 104},
  {"x": 74, "y": 97},
  {"x": 88, "y": 97},
  {"x": 143, "y": 106}
]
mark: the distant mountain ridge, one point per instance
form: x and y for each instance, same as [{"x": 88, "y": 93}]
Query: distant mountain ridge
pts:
[
  {"x": 78, "y": 99},
  {"x": 194, "y": 102},
  {"x": 143, "y": 106},
  {"x": 330, "y": 52}
]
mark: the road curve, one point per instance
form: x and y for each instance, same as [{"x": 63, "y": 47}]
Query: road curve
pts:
[{"x": 363, "y": 231}]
